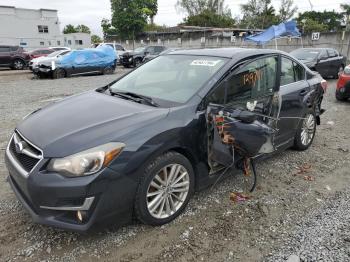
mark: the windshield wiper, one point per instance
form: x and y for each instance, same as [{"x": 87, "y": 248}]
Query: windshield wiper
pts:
[{"x": 134, "y": 97}]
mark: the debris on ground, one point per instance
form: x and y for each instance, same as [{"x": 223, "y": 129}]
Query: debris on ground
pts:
[
  {"x": 239, "y": 197},
  {"x": 309, "y": 178},
  {"x": 306, "y": 168}
]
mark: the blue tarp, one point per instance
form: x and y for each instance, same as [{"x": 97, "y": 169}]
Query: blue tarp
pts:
[
  {"x": 102, "y": 56},
  {"x": 287, "y": 29}
]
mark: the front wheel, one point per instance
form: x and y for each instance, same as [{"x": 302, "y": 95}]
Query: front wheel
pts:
[
  {"x": 306, "y": 131},
  {"x": 108, "y": 70},
  {"x": 165, "y": 189},
  {"x": 137, "y": 62},
  {"x": 59, "y": 73}
]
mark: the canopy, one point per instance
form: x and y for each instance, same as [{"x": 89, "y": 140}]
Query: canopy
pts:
[{"x": 287, "y": 29}]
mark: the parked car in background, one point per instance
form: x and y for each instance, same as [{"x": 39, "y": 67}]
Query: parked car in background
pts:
[
  {"x": 40, "y": 52},
  {"x": 118, "y": 48},
  {"x": 60, "y": 48},
  {"x": 101, "y": 60},
  {"x": 141, "y": 145},
  {"x": 135, "y": 58},
  {"x": 342, "y": 92},
  {"x": 150, "y": 57},
  {"x": 34, "y": 63},
  {"x": 326, "y": 61},
  {"x": 13, "y": 57}
]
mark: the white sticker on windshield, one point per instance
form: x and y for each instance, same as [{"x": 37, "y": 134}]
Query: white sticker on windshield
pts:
[{"x": 204, "y": 62}]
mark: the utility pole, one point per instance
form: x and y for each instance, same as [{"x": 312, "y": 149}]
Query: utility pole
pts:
[
  {"x": 220, "y": 7},
  {"x": 312, "y": 7}
]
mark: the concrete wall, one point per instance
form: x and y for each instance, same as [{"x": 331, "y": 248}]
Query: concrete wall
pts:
[
  {"x": 332, "y": 40},
  {"x": 19, "y": 26}
]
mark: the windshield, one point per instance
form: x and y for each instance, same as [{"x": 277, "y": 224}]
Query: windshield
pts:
[
  {"x": 140, "y": 49},
  {"x": 54, "y": 54},
  {"x": 174, "y": 78},
  {"x": 305, "y": 54}
]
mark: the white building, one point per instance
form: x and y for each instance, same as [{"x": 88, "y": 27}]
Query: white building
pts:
[{"x": 32, "y": 28}]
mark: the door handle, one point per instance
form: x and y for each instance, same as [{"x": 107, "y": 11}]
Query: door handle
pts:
[{"x": 303, "y": 92}]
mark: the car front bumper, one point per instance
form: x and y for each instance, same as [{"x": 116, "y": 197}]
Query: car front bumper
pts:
[
  {"x": 343, "y": 92},
  {"x": 54, "y": 200}
]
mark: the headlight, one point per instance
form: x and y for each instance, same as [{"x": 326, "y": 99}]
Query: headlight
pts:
[
  {"x": 87, "y": 162},
  {"x": 130, "y": 59}
]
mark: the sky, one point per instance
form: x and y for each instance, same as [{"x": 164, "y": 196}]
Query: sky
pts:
[{"x": 91, "y": 12}]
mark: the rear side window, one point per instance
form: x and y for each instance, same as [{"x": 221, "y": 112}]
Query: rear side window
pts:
[
  {"x": 332, "y": 53},
  {"x": 4, "y": 49},
  {"x": 45, "y": 52},
  {"x": 254, "y": 80},
  {"x": 291, "y": 72},
  {"x": 158, "y": 49},
  {"x": 119, "y": 48}
]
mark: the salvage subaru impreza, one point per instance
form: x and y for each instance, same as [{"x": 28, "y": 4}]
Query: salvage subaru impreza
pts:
[{"x": 140, "y": 146}]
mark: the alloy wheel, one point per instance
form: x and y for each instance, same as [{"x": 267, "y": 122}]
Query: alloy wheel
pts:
[
  {"x": 167, "y": 191},
  {"x": 18, "y": 64},
  {"x": 308, "y": 129}
]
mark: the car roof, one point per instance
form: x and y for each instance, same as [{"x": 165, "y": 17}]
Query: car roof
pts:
[
  {"x": 314, "y": 48},
  {"x": 225, "y": 52}
]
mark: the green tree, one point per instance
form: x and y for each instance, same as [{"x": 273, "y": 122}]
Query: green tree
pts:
[
  {"x": 68, "y": 29},
  {"x": 330, "y": 20},
  {"x": 258, "y": 14},
  {"x": 129, "y": 17},
  {"x": 310, "y": 26},
  {"x": 95, "y": 39},
  {"x": 107, "y": 28},
  {"x": 83, "y": 29},
  {"x": 196, "y": 7},
  {"x": 210, "y": 18},
  {"x": 287, "y": 10}
]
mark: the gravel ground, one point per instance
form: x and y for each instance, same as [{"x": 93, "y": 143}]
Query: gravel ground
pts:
[{"x": 300, "y": 209}]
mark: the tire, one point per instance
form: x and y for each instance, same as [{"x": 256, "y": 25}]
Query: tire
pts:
[
  {"x": 18, "y": 64},
  {"x": 59, "y": 73},
  {"x": 161, "y": 206},
  {"x": 108, "y": 70},
  {"x": 339, "y": 98},
  {"x": 137, "y": 62},
  {"x": 306, "y": 131}
]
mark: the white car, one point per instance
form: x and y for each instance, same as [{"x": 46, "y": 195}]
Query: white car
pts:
[{"x": 34, "y": 63}]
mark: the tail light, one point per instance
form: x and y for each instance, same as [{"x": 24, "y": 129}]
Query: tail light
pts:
[{"x": 324, "y": 85}]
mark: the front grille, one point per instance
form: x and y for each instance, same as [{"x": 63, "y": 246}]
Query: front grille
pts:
[{"x": 28, "y": 157}]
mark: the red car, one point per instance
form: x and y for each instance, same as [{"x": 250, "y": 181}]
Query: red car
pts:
[
  {"x": 343, "y": 86},
  {"x": 40, "y": 52}
]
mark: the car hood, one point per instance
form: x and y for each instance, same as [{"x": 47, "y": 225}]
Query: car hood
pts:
[
  {"x": 39, "y": 59},
  {"x": 85, "y": 121}
]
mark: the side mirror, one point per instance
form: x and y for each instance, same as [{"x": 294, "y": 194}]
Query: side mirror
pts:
[{"x": 146, "y": 53}]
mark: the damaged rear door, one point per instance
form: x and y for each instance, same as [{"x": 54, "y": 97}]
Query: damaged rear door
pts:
[{"x": 242, "y": 113}]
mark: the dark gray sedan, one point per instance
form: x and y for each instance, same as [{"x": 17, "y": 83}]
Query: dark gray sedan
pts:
[
  {"x": 326, "y": 61},
  {"x": 142, "y": 145}
]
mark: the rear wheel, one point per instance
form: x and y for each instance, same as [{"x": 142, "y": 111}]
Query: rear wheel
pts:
[
  {"x": 18, "y": 64},
  {"x": 165, "y": 189},
  {"x": 306, "y": 131}
]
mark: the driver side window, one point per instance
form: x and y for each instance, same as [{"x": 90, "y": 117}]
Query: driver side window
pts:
[{"x": 254, "y": 80}]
